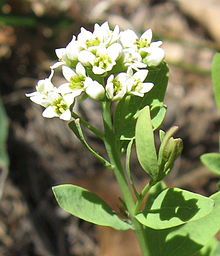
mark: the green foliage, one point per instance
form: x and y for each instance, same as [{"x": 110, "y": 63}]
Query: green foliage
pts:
[
  {"x": 187, "y": 239},
  {"x": 216, "y": 78},
  {"x": 217, "y": 250},
  {"x": 129, "y": 107},
  {"x": 3, "y": 136},
  {"x": 209, "y": 249},
  {"x": 212, "y": 162},
  {"x": 87, "y": 206},
  {"x": 174, "y": 207},
  {"x": 145, "y": 147}
]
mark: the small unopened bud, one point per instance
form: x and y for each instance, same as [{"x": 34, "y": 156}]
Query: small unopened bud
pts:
[
  {"x": 169, "y": 151},
  {"x": 95, "y": 90}
]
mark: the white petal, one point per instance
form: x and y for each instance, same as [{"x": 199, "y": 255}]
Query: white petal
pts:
[
  {"x": 31, "y": 94},
  {"x": 72, "y": 50},
  {"x": 76, "y": 93},
  {"x": 146, "y": 87},
  {"x": 83, "y": 36},
  {"x": 68, "y": 72},
  {"x": 97, "y": 70},
  {"x": 137, "y": 93},
  {"x": 95, "y": 91},
  {"x": 147, "y": 35},
  {"x": 156, "y": 44},
  {"x": 69, "y": 99},
  {"x": 49, "y": 112},
  {"x": 80, "y": 69},
  {"x": 141, "y": 74},
  {"x": 51, "y": 74},
  {"x": 37, "y": 99},
  {"x": 57, "y": 64},
  {"x": 60, "y": 52},
  {"x": 66, "y": 115},
  {"x": 114, "y": 51},
  {"x": 155, "y": 56},
  {"x": 105, "y": 26},
  {"x": 101, "y": 50},
  {"x": 64, "y": 89},
  {"x": 109, "y": 87},
  {"x": 86, "y": 58},
  {"x": 53, "y": 96},
  {"x": 128, "y": 37}
]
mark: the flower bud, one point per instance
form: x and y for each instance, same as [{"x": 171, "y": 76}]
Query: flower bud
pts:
[
  {"x": 94, "y": 89},
  {"x": 169, "y": 151}
]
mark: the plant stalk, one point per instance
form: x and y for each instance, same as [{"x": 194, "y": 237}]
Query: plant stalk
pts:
[{"x": 113, "y": 151}]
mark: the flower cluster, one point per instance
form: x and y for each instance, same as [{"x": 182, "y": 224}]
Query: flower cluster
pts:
[{"x": 104, "y": 64}]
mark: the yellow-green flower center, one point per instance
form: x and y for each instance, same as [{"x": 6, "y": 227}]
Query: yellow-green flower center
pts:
[
  {"x": 103, "y": 61},
  {"x": 137, "y": 85},
  {"x": 60, "y": 106},
  {"x": 94, "y": 42},
  {"x": 142, "y": 43},
  {"x": 77, "y": 82},
  {"x": 117, "y": 86}
]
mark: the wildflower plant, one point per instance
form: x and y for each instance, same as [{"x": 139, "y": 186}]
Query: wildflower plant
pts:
[{"x": 118, "y": 66}]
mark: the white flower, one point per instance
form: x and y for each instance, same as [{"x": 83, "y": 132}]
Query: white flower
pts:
[
  {"x": 106, "y": 58},
  {"x": 87, "y": 40},
  {"x": 136, "y": 85},
  {"x": 154, "y": 56},
  {"x": 86, "y": 58},
  {"x": 129, "y": 39},
  {"x": 133, "y": 59},
  {"x": 76, "y": 79},
  {"x": 69, "y": 55},
  {"x": 150, "y": 52},
  {"x": 105, "y": 34},
  {"x": 94, "y": 89},
  {"x": 102, "y": 35},
  {"x": 58, "y": 107},
  {"x": 43, "y": 87},
  {"x": 116, "y": 86}
]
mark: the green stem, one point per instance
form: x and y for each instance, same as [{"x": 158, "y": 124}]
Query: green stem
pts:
[
  {"x": 142, "y": 196},
  {"x": 89, "y": 126},
  {"x": 113, "y": 150}
]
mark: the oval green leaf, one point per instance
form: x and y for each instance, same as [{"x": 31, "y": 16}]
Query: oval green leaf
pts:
[
  {"x": 208, "y": 249},
  {"x": 187, "y": 239},
  {"x": 145, "y": 146},
  {"x": 87, "y": 206},
  {"x": 174, "y": 207},
  {"x": 212, "y": 162}
]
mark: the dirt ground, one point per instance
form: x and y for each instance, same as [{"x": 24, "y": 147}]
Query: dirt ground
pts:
[{"x": 44, "y": 152}]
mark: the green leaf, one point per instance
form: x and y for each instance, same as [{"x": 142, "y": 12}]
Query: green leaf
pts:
[
  {"x": 209, "y": 249},
  {"x": 154, "y": 193},
  {"x": 187, "y": 239},
  {"x": 3, "y": 136},
  {"x": 129, "y": 107},
  {"x": 158, "y": 112},
  {"x": 217, "y": 250},
  {"x": 87, "y": 206},
  {"x": 145, "y": 147},
  {"x": 216, "y": 78},
  {"x": 174, "y": 207},
  {"x": 212, "y": 162}
]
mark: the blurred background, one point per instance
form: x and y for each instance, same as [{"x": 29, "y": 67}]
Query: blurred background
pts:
[{"x": 44, "y": 152}]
